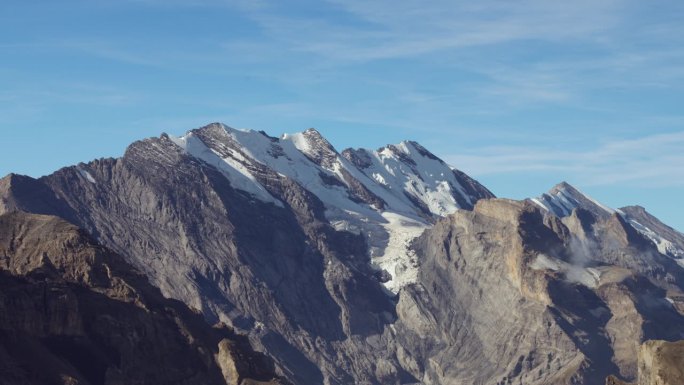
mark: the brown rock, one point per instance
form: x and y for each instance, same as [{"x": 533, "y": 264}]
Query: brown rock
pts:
[{"x": 72, "y": 312}]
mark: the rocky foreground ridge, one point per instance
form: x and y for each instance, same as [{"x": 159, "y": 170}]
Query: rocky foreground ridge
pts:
[
  {"x": 377, "y": 267},
  {"x": 73, "y": 312}
]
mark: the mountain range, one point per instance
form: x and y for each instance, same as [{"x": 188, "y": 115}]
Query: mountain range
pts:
[{"x": 315, "y": 266}]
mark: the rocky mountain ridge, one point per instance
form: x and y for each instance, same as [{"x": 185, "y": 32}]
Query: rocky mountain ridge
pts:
[
  {"x": 73, "y": 312},
  {"x": 374, "y": 267},
  {"x": 563, "y": 198}
]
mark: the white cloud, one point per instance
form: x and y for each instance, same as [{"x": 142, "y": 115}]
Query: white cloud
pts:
[
  {"x": 392, "y": 29},
  {"x": 656, "y": 160},
  {"x": 589, "y": 45}
]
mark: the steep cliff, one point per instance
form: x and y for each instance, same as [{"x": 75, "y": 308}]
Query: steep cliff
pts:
[
  {"x": 373, "y": 267},
  {"x": 660, "y": 363},
  {"x": 73, "y": 312}
]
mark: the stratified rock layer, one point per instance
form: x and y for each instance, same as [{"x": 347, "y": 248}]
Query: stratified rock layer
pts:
[
  {"x": 279, "y": 239},
  {"x": 660, "y": 363},
  {"x": 507, "y": 295},
  {"x": 72, "y": 312}
]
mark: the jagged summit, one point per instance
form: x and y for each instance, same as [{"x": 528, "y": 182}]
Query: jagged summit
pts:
[
  {"x": 668, "y": 240},
  {"x": 363, "y": 191},
  {"x": 404, "y": 178},
  {"x": 314, "y": 146},
  {"x": 374, "y": 267},
  {"x": 563, "y": 186},
  {"x": 563, "y": 198}
]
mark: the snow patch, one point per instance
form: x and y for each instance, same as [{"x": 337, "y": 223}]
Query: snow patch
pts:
[
  {"x": 538, "y": 203},
  {"x": 379, "y": 179},
  {"x": 399, "y": 175},
  {"x": 300, "y": 142},
  {"x": 397, "y": 257},
  {"x": 664, "y": 246},
  {"x": 85, "y": 174},
  {"x": 231, "y": 166},
  {"x": 566, "y": 200},
  {"x": 403, "y": 170}
]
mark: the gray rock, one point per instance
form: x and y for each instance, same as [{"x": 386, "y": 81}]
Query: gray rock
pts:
[
  {"x": 73, "y": 312},
  {"x": 504, "y": 294}
]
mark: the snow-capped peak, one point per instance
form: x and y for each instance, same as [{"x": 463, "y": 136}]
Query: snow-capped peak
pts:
[
  {"x": 392, "y": 193},
  {"x": 668, "y": 240},
  {"x": 312, "y": 144},
  {"x": 411, "y": 173},
  {"x": 563, "y": 198}
]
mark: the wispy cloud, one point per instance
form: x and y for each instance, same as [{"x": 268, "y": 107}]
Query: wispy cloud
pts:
[
  {"x": 78, "y": 93},
  {"x": 654, "y": 160},
  {"x": 492, "y": 39},
  {"x": 413, "y": 28}
]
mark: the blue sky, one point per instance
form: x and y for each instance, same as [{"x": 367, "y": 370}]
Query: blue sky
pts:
[{"x": 519, "y": 94}]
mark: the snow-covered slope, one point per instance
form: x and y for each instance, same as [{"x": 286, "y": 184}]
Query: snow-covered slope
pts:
[
  {"x": 668, "y": 240},
  {"x": 415, "y": 176},
  {"x": 563, "y": 198},
  {"x": 391, "y": 195}
]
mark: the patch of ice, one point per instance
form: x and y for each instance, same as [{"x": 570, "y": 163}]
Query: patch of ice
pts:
[
  {"x": 379, "y": 179},
  {"x": 538, "y": 203},
  {"x": 342, "y": 225},
  {"x": 404, "y": 170},
  {"x": 300, "y": 141},
  {"x": 664, "y": 246},
  {"x": 397, "y": 257},
  {"x": 567, "y": 201}
]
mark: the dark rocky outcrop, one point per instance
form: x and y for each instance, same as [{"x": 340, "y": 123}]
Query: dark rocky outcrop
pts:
[
  {"x": 73, "y": 312},
  {"x": 660, "y": 363}
]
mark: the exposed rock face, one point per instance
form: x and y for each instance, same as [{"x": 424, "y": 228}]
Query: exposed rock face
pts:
[
  {"x": 72, "y": 312},
  {"x": 660, "y": 363},
  {"x": 508, "y": 296},
  {"x": 563, "y": 198},
  {"x": 240, "y": 225},
  {"x": 480, "y": 315},
  {"x": 668, "y": 240},
  {"x": 314, "y": 254}
]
